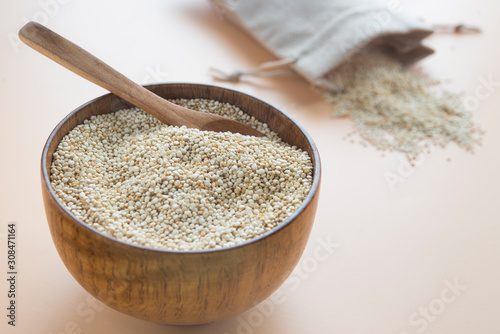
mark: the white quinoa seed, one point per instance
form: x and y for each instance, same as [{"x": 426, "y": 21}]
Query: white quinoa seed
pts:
[
  {"x": 128, "y": 175},
  {"x": 399, "y": 110}
]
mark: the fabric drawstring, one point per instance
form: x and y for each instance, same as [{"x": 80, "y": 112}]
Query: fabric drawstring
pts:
[
  {"x": 455, "y": 29},
  {"x": 266, "y": 69}
]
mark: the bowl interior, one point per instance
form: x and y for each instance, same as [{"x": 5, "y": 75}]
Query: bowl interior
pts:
[{"x": 290, "y": 131}]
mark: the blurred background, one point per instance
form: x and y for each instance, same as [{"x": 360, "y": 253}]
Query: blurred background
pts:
[{"x": 419, "y": 256}]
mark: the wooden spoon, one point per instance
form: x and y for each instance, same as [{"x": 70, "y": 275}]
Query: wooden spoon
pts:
[{"x": 89, "y": 67}]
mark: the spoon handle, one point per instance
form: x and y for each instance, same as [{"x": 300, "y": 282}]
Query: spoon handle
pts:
[{"x": 81, "y": 62}]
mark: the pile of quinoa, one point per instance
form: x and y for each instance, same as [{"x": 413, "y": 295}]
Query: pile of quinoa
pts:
[
  {"x": 129, "y": 176},
  {"x": 398, "y": 110}
]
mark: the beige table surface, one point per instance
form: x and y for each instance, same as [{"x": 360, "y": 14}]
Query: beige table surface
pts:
[{"x": 423, "y": 257}]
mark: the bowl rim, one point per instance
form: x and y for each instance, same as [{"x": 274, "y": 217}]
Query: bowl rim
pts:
[{"x": 312, "y": 192}]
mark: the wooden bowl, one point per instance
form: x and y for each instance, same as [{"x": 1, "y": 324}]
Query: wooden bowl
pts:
[{"x": 180, "y": 287}]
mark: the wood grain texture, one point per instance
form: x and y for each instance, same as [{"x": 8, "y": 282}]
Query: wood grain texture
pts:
[
  {"x": 86, "y": 65},
  {"x": 180, "y": 287}
]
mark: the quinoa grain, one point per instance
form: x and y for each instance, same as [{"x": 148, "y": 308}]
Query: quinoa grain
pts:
[
  {"x": 399, "y": 110},
  {"x": 129, "y": 176}
]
